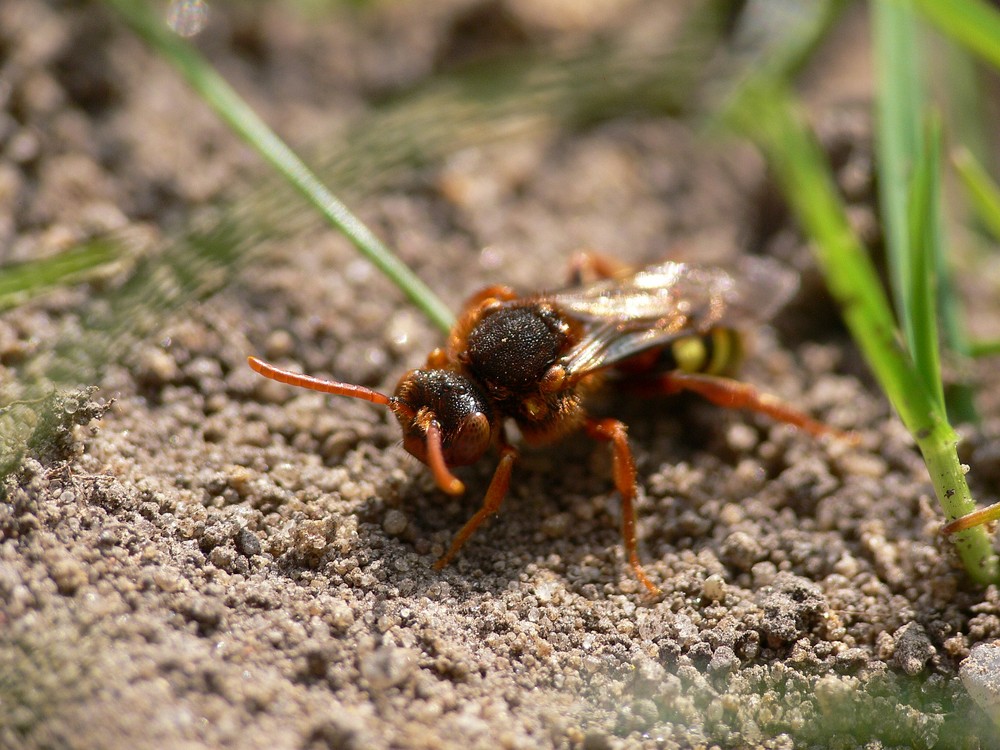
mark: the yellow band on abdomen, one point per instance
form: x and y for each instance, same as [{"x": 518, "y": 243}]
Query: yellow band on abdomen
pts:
[{"x": 716, "y": 353}]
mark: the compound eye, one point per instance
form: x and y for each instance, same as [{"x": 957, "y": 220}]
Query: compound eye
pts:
[{"x": 470, "y": 441}]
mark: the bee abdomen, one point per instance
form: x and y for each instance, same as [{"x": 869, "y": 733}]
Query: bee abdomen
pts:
[{"x": 717, "y": 352}]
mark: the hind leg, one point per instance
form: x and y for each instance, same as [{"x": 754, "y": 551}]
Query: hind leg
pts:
[
  {"x": 586, "y": 266},
  {"x": 734, "y": 394}
]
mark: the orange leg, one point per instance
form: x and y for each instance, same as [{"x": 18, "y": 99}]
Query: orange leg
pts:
[
  {"x": 491, "y": 503},
  {"x": 588, "y": 265},
  {"x": 499, "y": 292},
  {"x": 733, "y": 394},
  {"x": 614, "y": 432}
]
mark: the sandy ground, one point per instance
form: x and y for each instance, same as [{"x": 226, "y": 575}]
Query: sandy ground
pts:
[{"x": 199, "y": 558}]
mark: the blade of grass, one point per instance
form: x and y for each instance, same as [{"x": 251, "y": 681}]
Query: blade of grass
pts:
[
  {"x": 985, "y": 348},
  {"x": 957, "y": 85},
  {"x": 245, "y": 122},
  {"x": 764, "y": 111},
  {"x": 899, "y": 104},
  {"x": 923, "y": 228},
  {"x": 900, "y": 149},
  {"x": 972, "y": 23},
  {"x": 20, "y": 282},
  {"x": 976, "y": 26},
  {"x": 982, "y": 191}
]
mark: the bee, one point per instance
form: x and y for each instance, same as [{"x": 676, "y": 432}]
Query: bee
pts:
[{"x": 537, "y": 360}]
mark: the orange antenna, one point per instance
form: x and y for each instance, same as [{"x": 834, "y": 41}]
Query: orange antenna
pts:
[
  {"x": 447, "y": 481},
  {"x": 316, "y": 384}
]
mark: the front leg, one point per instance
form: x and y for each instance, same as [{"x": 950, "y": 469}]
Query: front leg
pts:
[
  {"x": 623, "y": 465},
  {"x": 491, "y": 503}
]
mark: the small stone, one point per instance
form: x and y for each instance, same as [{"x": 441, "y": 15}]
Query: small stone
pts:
[
  {"x": 723, "y": 660},
  {"x": 340, "y": 617},
  {"x": 556, "y": 526},
  {"x": 246, "y": 543},
  {"x": 714, "y": 588},
  {"x": 279, "y": 344},
  {"x": 156, "y": 368},
  {"x": 596, "y": 740},
  {"x": 394, "y": 523},
  {"x": 833, "y": 694},
  {"x": 913, "y": 648},
  {"x": 387, "y": 666},
  {"x": 10, "y": 579},
  {"x": 741, "y": 550},
  {"x": 206, "y": 612},
  {"x": 792, "y": 605},
  {"x": 222, "y": 557},
  {"x": 335, "y": 732},
  {"x": 980, "y": 675},
  {"x": 69, "y": 576}
]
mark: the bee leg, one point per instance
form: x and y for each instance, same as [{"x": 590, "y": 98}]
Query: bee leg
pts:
[
  {"x": 733, "y": 394},
  {"x": 589, "y": 265},
  {"x": 491, "y": 503},
  {"x": 497, "y": 292},
  {"x": 614, "y": 432}
]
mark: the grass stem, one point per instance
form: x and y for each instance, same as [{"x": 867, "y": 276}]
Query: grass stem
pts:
[{"x": 245, "y": 122}]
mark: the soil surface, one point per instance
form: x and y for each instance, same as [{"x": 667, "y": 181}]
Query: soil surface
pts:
[{"x": 195, "y": 557}]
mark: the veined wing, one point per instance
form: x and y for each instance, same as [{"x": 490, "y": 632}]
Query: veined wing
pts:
[{"x": 661, "y": 303}]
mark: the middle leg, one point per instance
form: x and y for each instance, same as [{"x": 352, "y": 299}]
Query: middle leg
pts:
[{"x": 623, "y": 467}]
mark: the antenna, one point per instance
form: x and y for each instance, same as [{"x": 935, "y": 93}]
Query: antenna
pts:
[{"x": 317, "y": 384}]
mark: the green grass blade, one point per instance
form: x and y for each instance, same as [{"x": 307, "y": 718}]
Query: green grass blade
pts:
[
  {"x": 983, "y": 192},
  {"x": 901, "y": 148},
  {"x": 899, "y": 105},
  {"x": 20, "y": 282},
  {"x": 972, "y": 23},
  {"x": 924, "y": 230},
  {"x": 958, "y": 84},
  {"x": 985, "y": 348},
  {"x": 800, "y": 166},
  {"x": 764, "y": 111},
  {"x": 245, "y": 122}
]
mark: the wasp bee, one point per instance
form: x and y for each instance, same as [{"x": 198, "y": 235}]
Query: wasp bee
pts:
[{"x": 536, "y": 360}]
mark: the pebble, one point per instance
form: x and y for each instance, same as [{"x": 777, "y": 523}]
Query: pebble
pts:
[
  {"x": 69, "y": 576},
  {"x": 913, "y": 648},
  {"x": 980, "y": 675},
  {"x": 714, "y": 588},
  {"x": 246, "y": 543},
  {"x": 387, "y": 666},
  {"x": 394, "y": 523}
]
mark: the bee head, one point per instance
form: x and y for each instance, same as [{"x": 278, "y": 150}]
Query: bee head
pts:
[
  {"x": 446, "y": 421},
  {"x": 446, "y": 418}
]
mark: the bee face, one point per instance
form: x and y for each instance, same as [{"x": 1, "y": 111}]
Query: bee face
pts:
[{"x": 455, "y": 403}]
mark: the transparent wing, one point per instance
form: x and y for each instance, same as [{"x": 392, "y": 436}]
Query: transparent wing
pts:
[{"x": 651, "y": 308}]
